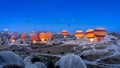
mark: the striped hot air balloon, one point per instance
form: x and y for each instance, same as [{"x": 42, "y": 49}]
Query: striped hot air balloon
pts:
[
  {"x": 90, "y": 35},
  {"x": 23, "y": 37},
  {"x": 13, "y": 38},
  {"x": 64, "y": 33},
  {"x": 100, "y": 33},
  {"x": 79, "y": 34},
  {"x": 34, "y": 38}
]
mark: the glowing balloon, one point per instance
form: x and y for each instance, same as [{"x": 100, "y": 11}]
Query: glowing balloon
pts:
[
  {"x": 90, "y": 35},
  {"x": 100, "y": 33},
  {"x": 42, "y": 36},
  {"x": 34, "y": 38},
  {"x": 23, "y": 37},
  {"x": 48, "y": 36},
  {"x": 64, "y": 33},
  {"x": 14, "y": 38},
  {"x": 79, "y": 34}
]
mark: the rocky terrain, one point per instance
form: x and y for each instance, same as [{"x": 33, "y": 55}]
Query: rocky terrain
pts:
[{"x": 105, "y": 54}]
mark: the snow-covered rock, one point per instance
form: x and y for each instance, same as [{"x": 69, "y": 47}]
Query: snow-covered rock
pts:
[
  {"x": 40, "y": 65},
  {"x": 71, "y": 61},
  {"x": 85, "y": 41},
  {"x": 10, "y": 58}
]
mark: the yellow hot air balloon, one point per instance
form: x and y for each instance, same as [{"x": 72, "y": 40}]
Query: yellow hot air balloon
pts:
[
  {"x": 42, "y": 36},
  {"x": 90, "y": 35},
  {"x": 79, "y": 34},
  {"x": 100, "y": 33},
  {"x": 64, "y": 33}
]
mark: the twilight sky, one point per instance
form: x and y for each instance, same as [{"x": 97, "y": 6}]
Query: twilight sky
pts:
[{"x": 56, "y": 15}]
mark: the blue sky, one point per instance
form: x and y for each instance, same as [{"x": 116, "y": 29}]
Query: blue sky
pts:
[{"x": 56, "y": 15}]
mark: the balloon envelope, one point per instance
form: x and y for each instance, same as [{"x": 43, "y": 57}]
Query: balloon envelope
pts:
[
  {"x": 48, "y": 36},
  {"x": 79, "y": 33},
  {"x": 14, "y": 38},
  {"x": 64, "y": 33},
  {"x": 23, "y": 37},
  {"x": 90, "y": 34},
  {"x": 42, "y": 36},
  {"x": 34, "y": 37},
  {"x": 100, "y": 33}
]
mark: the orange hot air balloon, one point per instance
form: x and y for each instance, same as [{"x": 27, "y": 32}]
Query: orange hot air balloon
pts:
[
  {"x": 23, "y": 37},
  {"x": 48, "y": 36},
  {"x": 34, "y": 38},
  {"x": 79, "y": 34},
  {"x": 64, "y": 33},
  {"x": 42, "y": 36},
  {"x": 90, "y": 35},
  {"x": 14, "y": 38},
  {"x": 100, "y": 33}
]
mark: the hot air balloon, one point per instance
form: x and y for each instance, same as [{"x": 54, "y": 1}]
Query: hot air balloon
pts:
[
  {"x": 34, "y": 38},
  {"x": 48, "y": 36},
  {"x": 100, "y": 33},
  {"x": 90, "y": 35},
  {"x": 79, "y": 34},
  {"x": 23, "y": 37},
  {"x": 64, "y": 33},
  {"x": 14, "y": 38},
  {"x": 42, "y": 36}
]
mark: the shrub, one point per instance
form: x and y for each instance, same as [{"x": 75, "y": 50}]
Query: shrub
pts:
[
  {"x": 50, "y": 64},
  {"x": 57, "y": 67},
  {"x": 35, "y": 59},
  {"x": 13, "y": 50},
  {"x": 48, "y": 52},
  {"x": 62, "y": 53}
]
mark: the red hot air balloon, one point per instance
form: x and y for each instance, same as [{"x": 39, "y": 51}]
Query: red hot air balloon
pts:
[
  {"x": 14, "y": 38},
  {"x": 34, "y": 38},
  {"x": 23, "y": 37},
  {"x": 64, "y": 33},
  {"x": 100, "y": 33},
  {"x": 90, "y": 35},
  {"x": 48, "y": 36},
  {"x": 45, "y": 36}
]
